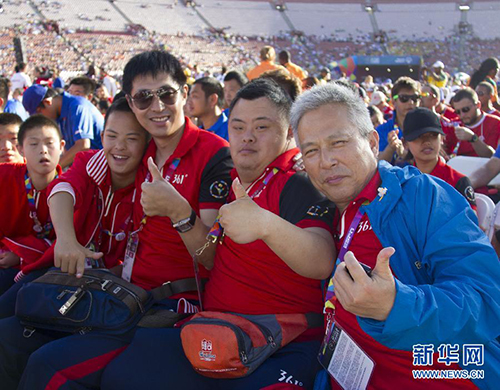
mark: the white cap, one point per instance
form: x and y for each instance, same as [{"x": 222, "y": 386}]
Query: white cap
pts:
[
  {"x": 377, "y": 98},
  {"x": 438, "y": 64}
]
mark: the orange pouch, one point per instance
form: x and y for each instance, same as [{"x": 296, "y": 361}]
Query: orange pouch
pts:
[{"x": 228, "y": 345}]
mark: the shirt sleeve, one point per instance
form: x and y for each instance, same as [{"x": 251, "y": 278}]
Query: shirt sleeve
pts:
[
  {"x": 302, "y": 205},
  {"x": 82, "y": 123},
  {"x": 464, "y": 186},
  {"x": 216, "y": 180}
]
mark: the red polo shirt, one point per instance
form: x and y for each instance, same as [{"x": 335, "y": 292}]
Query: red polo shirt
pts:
[
  {"x": 203, "y": 179},
  {"x": 487, "y": 129},
  {"x": 16, "y": 226},
  {"x": 393, "y": 368},
  {"x": 100, "y": 213},
  {"x": 251, "y": 278}
]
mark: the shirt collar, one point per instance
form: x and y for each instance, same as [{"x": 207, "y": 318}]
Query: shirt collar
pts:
[
  {"x": 371, "y": 189},
  {"x": 284, "y": 162}
]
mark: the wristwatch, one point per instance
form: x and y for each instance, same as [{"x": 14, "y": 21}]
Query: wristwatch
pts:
[
  {"x": 474, "y": 138},
  {"x": 186, "y": 224}
]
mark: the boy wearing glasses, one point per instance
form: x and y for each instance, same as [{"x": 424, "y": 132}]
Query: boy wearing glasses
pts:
[
  {"x": 479, "y": 133},
  {"x": 405, "y": 97}
]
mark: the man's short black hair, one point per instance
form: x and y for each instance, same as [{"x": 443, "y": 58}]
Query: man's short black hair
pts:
[
  {"x": 6, "y": 118},
  {"x": 211, "y": 85},
  {"x": 152, "y": 63},
  {"x": 466, "y": 93},
  {"x": 119, "y": 105},
  {"x": 20, "y": 67},
  {"x": 290, "y": 83},
  {"x": 88, "y": 84},
  {"x": 236, "y": 75},
  {"x": 264, "y": 87},
  {"x": 4, "y": 90},
  {"x": 51, "y": 92},
  {"x": 36, "y": 121}
]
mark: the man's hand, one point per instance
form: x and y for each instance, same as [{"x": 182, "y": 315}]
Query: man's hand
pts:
[
  {"x": 70, "y": 256},
  {"x": 395, "y": 143},
  {"x": 9, "y": 259},
  {"x": 362, "y": 295},
  {"x": 463, "y": 133},
  {"x": 243, "y": 220},
  {"x": 160, "y": 198}
]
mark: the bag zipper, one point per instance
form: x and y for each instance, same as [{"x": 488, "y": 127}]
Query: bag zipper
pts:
[{"x": 103, "y": 282}]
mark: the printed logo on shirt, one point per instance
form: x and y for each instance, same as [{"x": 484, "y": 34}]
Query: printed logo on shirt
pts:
[
  {"x": 179, "y": 179},
  {"x": 206, "y": 351},
  {"x": 219, "y": 189},
  {"x": 364, "y": 226},
  {"x": 317, "y": 211}
]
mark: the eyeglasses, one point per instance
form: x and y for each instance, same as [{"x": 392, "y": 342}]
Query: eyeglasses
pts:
[
  {"x": 406, "y": 98},
  {"x": 426, "y": 94},
  {"x": 464, "y": 110},
  {"x": 143, "y": 99}
]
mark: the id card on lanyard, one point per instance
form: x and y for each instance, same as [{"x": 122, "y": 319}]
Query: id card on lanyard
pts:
[
  {"x": 339, "y": 354},
  {"x": 133, "y": 238}
]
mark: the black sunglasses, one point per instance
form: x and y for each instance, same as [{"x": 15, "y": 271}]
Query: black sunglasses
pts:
[
  {"x": 463, "y": 110},
  {"x": 406, "y": 98},
  {"x": 143, "y": 99}
]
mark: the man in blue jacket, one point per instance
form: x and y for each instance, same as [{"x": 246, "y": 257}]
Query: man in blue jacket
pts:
[{"x": 434, "y": 308}]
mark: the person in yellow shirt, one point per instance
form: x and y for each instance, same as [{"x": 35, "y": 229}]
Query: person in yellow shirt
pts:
[
  {"x": 297, "y": 71},
  {"x": 438, "y": 76},
  {"x": 267, "y": 57}
]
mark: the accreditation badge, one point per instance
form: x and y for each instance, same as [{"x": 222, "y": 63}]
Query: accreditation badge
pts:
[
  {"x": 129, "y": 258},
  {"x": 344, "y": 360}
]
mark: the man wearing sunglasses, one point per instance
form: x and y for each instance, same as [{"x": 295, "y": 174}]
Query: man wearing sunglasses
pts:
[
  {"x": 405, "y": 97},
  {"x": 480, "y": 132},
  {"x": 183, "y": 180},
  {"x": 485, "y": 94}
]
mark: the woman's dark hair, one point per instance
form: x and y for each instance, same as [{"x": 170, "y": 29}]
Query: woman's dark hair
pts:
[{"x": 486, "y": 67}]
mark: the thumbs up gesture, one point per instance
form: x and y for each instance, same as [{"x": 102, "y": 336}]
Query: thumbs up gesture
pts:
[
  {"x": 243, "y": 220},
  {"x": 159, "y": 197},
  {"x": 366, "y": 296}
]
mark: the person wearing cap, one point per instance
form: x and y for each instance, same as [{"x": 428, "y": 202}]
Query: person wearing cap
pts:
[
  {"x": 379, "y": 99},
  {"x": 437, "y": 76},
  {"x": 423, "y": 137},
  {"x": 80, "y": 121}
]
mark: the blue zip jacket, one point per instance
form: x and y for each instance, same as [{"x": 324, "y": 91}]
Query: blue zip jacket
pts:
[{"x": 447, "y": 273}]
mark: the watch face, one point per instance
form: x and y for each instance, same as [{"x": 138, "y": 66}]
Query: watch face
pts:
[{"x": 185, "y": 227}]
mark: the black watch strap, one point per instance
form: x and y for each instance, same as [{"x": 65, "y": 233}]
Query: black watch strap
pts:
[{"x": 186, "y": 224}]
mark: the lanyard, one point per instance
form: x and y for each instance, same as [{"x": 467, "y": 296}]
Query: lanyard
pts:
[
  {"x": 216, "y": 231},
  {"x": 33, "y": 197},
  {"x": 170, "y": 173},
  {"x": 343, "y": 250}
]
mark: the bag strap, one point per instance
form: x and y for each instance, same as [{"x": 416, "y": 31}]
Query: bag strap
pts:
[{"x": 167, "y": 289}]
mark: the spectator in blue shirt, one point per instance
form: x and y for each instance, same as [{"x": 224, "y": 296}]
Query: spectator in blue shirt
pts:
[
  {"x": 205, "y": 102},
  {"x": 80, "y": 121},
  {"x": 405, "y": 97}
]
